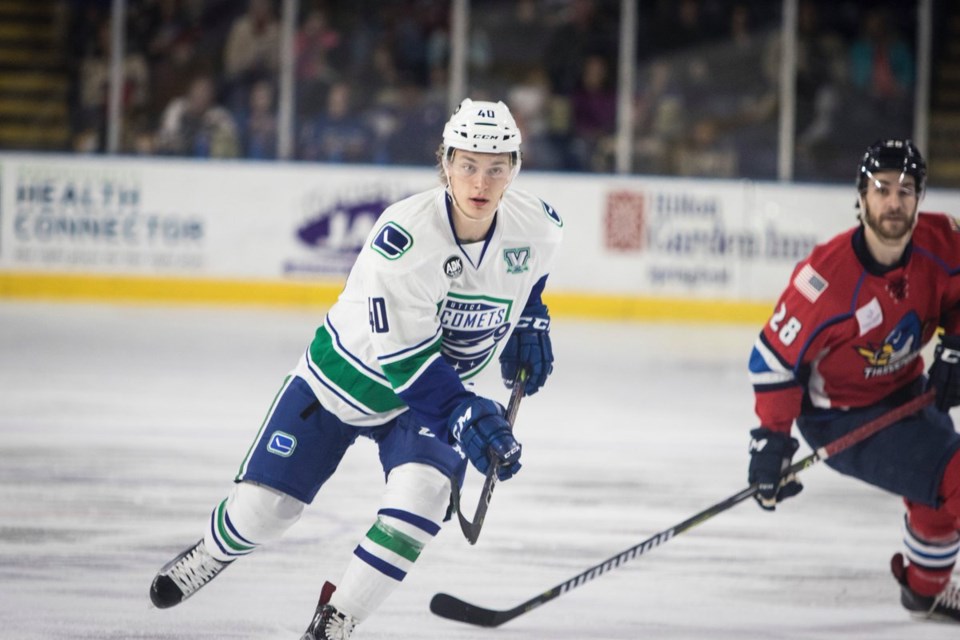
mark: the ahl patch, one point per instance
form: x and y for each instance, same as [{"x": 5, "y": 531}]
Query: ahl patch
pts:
[
  {"x": 392, "y": 241},
  {"x": 516, "y": 259},
  {"x": 810, "y": 283}
]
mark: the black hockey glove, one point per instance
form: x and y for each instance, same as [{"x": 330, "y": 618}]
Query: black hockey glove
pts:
[
  {"x": 529, "y": 346},
  {"x": 770, "y": 455},
  {"x": 480, "y": 427},
  {"x": 945, "y": 372}
]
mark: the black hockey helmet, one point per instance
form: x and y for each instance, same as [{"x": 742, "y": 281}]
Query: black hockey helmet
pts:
[{"x": 896, "y": 155}]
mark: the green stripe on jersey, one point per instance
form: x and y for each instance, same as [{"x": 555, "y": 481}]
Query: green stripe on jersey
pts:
[
  {"x": 367, "y": 392},
  {"x": 400, "y": 373}
]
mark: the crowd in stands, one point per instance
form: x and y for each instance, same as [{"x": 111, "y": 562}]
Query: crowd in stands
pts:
[{"x": 201, "y": 79}]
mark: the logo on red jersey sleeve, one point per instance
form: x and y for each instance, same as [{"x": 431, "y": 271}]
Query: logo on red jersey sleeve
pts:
[{"x": 810, "y": 283}]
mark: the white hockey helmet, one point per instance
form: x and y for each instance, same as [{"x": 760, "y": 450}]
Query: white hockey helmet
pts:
[{"x": 485, "y": 127}]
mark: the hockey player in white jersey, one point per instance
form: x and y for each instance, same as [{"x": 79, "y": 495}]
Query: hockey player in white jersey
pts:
[{"x": 448, "y": 283}]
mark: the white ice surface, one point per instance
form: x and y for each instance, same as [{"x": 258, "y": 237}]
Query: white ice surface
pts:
[{"x": 121, "y": 427}]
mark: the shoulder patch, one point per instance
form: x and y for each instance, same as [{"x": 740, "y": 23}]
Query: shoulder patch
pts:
[
  {"x": 392, "y": 241},
  {"x": 810, "y": 283},
  {"x": 552, "y": 214},
  {"x": 516, "y": 259}
]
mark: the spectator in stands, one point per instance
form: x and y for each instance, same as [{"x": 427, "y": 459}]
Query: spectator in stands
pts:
[
  {"x": 338, "y": 134},
  {"x": 252, "y": 51},
  {"x": 594, "y": 110},
  {"x": 586, "y": 29},
  {"x": 682, "y": 25},
  {"x": 94, "y": 84},
  {"x": 659, "y": 116},
  {"x": 881, "y": 71},
  {"x": 171, "y": 48},
  {"x": 881, "y": 63},
  {"x": 317, "y": 52},
  {"x": 530, "y": 104},
  {"x": 822, "y": 85},
  {"x": 258, "y": 123},
  {"x": 416, "y": 116},
  {"x": 704, "y": 153},
  {"x": 194, "y": 125}
]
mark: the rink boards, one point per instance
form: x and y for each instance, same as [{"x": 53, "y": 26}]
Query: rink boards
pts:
[{"x": 131, "y": 229}]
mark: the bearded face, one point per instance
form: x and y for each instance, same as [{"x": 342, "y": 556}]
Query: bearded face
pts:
[{"x": 890, "y": 205}]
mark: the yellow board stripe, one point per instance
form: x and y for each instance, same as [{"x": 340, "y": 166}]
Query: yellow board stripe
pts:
[
  {"x": 165, "y": 290},
  {"x": 103, "y": 288},
  {"x": 610, "y": 307}
]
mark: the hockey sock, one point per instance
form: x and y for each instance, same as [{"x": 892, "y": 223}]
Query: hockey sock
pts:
[
  {"x": 950, "y": 489},
  {"x": 932, "y": 544},
  {"x": 250, "y": 516},
  {"x": 413, "y": 506}
]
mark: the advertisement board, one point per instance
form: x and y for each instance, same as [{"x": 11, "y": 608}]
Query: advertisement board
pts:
[{"x": 630, "y": 237}]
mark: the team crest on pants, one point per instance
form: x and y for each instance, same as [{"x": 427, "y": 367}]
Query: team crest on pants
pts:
[{"x": 282, "y": 444}]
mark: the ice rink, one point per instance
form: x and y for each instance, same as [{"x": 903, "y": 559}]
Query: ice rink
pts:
[{"x": 122, "y": 426}]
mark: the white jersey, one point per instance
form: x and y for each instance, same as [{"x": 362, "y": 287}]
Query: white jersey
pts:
[{"x": 420, "y": 313}]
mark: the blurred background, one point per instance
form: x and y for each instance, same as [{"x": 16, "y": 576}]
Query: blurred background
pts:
[
  {"x": 167, "y": 165},
  {"x": 758, "y": 89}
]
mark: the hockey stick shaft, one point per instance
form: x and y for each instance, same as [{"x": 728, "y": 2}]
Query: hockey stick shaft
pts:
[
  {"x": 471, "y": 528},
  {"x": 453, "y": 608}
]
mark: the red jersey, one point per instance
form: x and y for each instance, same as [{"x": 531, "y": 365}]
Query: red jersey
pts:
[{"x": 847, "y": 331}]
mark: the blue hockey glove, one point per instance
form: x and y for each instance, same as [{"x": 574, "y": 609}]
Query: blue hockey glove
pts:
[
  {"x": 770, "y": 455},
  {"x": 945, "y": 372},
  {"x": 529, "y": 346},
  {"x": 480, "y": 427}
]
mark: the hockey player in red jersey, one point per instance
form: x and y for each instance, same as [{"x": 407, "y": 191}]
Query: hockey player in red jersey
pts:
[{"x": 843, "y": 346}]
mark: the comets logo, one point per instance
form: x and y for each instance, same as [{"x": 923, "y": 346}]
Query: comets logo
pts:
[{"x": 472, "y": 328}]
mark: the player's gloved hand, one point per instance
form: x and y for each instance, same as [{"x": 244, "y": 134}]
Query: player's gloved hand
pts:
[
  {"x": 945, "y": 372},
  {"x": 529, "y": 346},
  {"x": 770, "y": 455},
  {"x": 480, "y": 427}
]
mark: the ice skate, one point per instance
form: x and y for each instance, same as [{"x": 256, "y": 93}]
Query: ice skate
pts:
[
  {"x": 328, "y": 623},
  {"x": 943, "y": 607},
  {"x": 184, "y": 575}
]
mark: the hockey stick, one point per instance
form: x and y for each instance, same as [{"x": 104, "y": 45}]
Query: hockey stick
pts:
[
  {"x": 471, "y": 529},
  {"x": 453, "y": 608}
]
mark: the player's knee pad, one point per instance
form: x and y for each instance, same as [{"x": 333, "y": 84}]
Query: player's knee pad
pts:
[
  {"x": 415, "y": 500},
  {"x": 251, "y": 515}
]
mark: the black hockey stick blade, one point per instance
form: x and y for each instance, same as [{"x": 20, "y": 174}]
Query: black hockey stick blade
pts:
[
  {"x": 471, "y": 528},
  {"x": 453, "y": 608}
]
